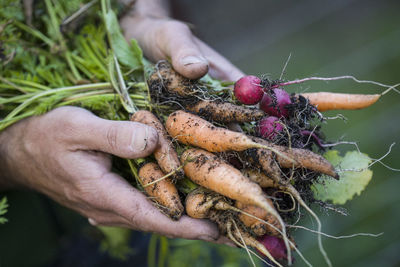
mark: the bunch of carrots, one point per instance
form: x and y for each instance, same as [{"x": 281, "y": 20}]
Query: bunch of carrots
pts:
[
  {"x": 242, "y": 158},
  {"x": 247, "y": 178}
]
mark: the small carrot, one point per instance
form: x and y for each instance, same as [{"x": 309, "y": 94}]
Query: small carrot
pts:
[
  {"x": 239, "y": 236},
  {"x": 260, "y": 178},
  {"x": 190, "y": 129},
  {"x": 258, "y": 227},
  {"x": 165, "y": 78},
  {"x": 162, "y": 192},
  {"x": 331, "y": 101},
  {"x": 299, "y": 158},
  {"x": 208, "y": 170},
  {"x": 265, "y": 180},
  {"x": 198, "y": 203},
  {"x": 165, "y": 153},
  {"x": 225, "y": 112},
  {"x": 201, "y": 204}
]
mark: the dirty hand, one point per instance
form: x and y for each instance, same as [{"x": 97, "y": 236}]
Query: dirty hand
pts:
[
  {"x": 65, "y": 154},
  {"x": 164, "y": 38}
]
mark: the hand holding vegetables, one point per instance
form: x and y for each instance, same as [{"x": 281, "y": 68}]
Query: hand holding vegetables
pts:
[
  {"x": 162, "y": 38},
  {"x": 65, "y": 155}
]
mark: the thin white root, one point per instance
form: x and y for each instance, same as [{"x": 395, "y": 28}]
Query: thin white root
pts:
[
  {"x": 244, "y": 243},
  {"x": 335, "y": 237},
  {"x": 296, "y": 195},
  {"x": 256, "y": 245},
  {"x": 244, "y": 246},
  {"x": 279, "y": 231},
  {"x": 284, "y": 67},
  {"x": 373, "y": 162},
  {"x": 389, "y": 87}
]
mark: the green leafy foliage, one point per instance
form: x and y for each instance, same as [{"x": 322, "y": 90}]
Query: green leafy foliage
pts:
[
  {"x": 352, "y": 181},
  {"x": 3, "y": 210},
  {"x": 130, "y": 56}
]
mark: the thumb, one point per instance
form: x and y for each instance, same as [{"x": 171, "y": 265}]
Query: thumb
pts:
[
  {"x": 125, "y": 139},
  {"x": 180, "y": 46}
]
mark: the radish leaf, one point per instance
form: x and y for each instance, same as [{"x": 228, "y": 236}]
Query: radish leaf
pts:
[{"x": 350, "y": 183}]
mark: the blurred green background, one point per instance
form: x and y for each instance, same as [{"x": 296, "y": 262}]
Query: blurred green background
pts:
[{"x": 326, "y": 38}]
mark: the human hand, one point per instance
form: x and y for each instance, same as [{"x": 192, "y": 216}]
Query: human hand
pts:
[
  {"x": 161, "y": 37},
  {"x": 65, "y": 154}
]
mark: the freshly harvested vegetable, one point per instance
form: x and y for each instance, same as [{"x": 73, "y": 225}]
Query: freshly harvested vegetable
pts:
[
  {"x": 208, "y": 170},
  {"x": 238, "y": 235},
  {"x": 300, "y": 158},
  {"x": 275, "y": 102},
  {"x": 269, "y": 127},
  {"x": 258, "y": 227},
  {"x": 274, "y": 245},
  {"x": 200, "y": 204},
  {"x": 166, "y": 78},
  {"x": 325, "y": 101},
  {"x": 248, "y": 90},
  {"x": 190, "y": 129},
  {"x": 200, "y": 201},
  {"x": 225, "y": 112},
  {"x": 163, "y": 192},
  {"x": 260, "y": 178},
  {"x": 165, "y": 153}
]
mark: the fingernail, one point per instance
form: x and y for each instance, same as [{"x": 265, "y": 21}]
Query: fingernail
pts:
[
  {"x": 189, "y": 60},
  {"x": 207, "y": 238},
  {"x": 139, "y": 139}
]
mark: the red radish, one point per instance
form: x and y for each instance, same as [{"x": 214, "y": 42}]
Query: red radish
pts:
[
  {"x": 269, "y": 127},
  {"x": 274, "y": 245},
  {"x": 275, "y": 103},
  {"x": 248, "y": 90}
]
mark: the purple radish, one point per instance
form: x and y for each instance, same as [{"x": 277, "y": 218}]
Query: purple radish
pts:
[
  {"x": 248, "y": 90},
  {"x": 274, "y": 245},
  {"x": 269, "y": 127},
  {"x": 275, "y": 104}
]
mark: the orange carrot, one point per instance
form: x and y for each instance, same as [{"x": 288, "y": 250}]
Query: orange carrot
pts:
[
  {"x": 331, "y": 101},
  {"x": 299, "y": 158},
  {"x": 190, "y": 129},
  {"x": 258, "y": 227},
  {"x": 206, "y": 169},
  {"x": 260, "y": 178},
  {"x": 165, "y": 78},
  {"x": 226, "y": 112},
  {"x": 165, "y": 153},
  {"x": 162, "y": 192},
  {"x": 199, "y": 202},
  {"x": 265, "y": 180}
]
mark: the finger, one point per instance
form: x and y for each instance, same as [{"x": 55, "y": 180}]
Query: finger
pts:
[
  {"x": 121, "y": 138},
  {"x": 219, "y": 66},
  {"x": 226, "y": 241},
  {"x": 177, "y": 42},
  {"x": 131, "y": 204}
]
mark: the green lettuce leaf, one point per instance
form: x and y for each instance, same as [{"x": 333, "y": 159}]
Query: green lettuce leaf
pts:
[{"x": 351, "y": 183}]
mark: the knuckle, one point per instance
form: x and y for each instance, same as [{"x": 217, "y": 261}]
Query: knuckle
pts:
[
  {"x": 112, "y": 136},
  {"x": 173, "y": 26}
]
